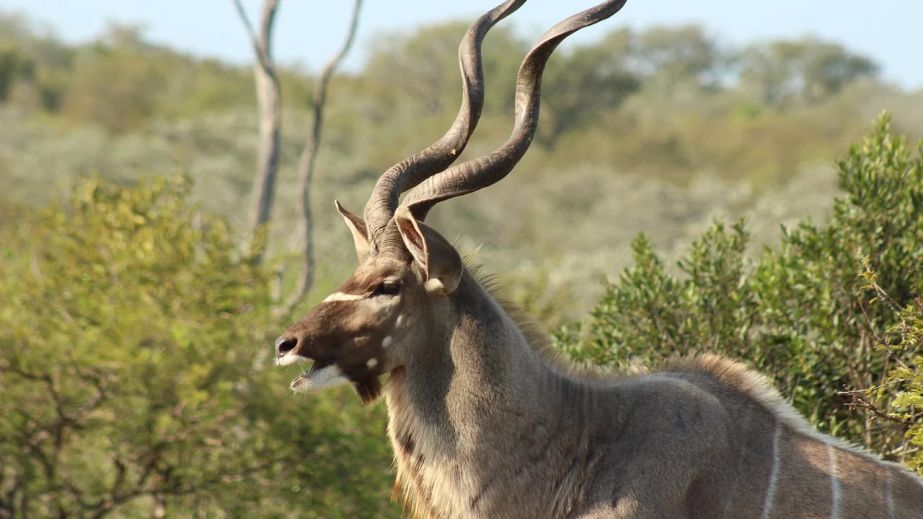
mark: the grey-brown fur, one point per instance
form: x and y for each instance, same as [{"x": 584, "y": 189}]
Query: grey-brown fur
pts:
[{"x": 485, "y": 426}]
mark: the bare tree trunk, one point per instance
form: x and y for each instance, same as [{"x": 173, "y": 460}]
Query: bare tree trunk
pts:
[
  {"x": 269, "y": 95},
  {"x": 309, "y": 157}
]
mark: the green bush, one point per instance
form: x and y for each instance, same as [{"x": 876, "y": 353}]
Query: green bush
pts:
[
  {"x": 905, "y": 384},
  {"x": 897, "y": 403},
  {"x": 798, "y": 313},
  {"x": 134, "y": 341}
]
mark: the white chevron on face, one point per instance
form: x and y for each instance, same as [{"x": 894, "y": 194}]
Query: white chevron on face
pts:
[{"x": 340, "y": 296}]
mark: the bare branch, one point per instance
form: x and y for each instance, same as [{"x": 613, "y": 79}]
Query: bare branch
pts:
[
  {"x": 261, "y": 43},
  {"x": 269, "y": 99},
  {"x": 248, "y": 25},
  {"x": 859, "y": 401},
  {"x": 309, "y": 156}
]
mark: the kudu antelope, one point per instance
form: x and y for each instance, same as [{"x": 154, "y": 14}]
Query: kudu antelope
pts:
[{"x": 484, "y": 425}]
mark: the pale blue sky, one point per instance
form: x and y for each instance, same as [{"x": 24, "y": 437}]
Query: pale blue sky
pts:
[{"x": 307, "y": 31}]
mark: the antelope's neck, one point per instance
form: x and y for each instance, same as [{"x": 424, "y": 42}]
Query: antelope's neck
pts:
[{"x": 466, "y": 416}]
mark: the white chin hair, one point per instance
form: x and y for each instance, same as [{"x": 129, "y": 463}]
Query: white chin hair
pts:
[
  {"x": 324, "y": 378},
  {"x": 289, "y": 359}
]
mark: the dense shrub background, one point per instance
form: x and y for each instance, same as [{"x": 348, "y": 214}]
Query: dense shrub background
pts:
[{"x": 134, "y": 374}]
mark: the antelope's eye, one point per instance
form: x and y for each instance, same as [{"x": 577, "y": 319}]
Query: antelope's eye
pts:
[{"x": 387, "y": 288}]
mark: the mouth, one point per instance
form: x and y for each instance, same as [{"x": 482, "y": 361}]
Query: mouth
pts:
[
  {"x": 312, "y": 371},
  {"x": 321, "y": 375}
]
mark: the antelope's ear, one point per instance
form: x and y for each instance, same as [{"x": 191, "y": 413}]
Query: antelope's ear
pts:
[
  {"x": 439, "y": 259},
  {"x": 359, "y": 231}
]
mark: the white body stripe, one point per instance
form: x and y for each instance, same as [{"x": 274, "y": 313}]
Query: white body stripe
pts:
[
  {"x": 889, "y": 499},
  {"x": 340, "y": 296},
  {"x": 834, "y": 483},
  {"x": 774, "y": 474}
]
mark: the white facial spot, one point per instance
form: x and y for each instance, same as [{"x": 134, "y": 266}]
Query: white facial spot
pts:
[
  {"x": 324, "y": 378},
  {"x": 289, "y": 358},
  {"x": 386, "y": 342},
  {"x": 340, "y": 296},
  {"x": 399, "y": 321},
  {"x": 372, "y": 363}
]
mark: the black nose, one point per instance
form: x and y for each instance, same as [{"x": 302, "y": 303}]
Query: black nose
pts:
[{"x": 285, "y": 344}]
